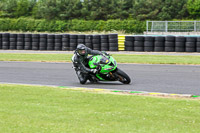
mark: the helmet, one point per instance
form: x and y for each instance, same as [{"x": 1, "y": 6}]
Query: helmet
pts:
[{"x": 81, "y": 50}]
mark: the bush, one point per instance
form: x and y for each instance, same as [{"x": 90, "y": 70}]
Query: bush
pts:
[{"x": 41, "y": 25}]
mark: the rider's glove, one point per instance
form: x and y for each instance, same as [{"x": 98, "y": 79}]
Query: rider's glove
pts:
[{"x": 94, "y": 71}]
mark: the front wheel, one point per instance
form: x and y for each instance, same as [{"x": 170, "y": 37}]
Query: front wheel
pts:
[{"x": 123, "y": 77}]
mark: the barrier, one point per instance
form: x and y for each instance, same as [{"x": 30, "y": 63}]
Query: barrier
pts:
[
  {"x": 64, "y": 42},
  {"x": 162, "y": 43},
  {"x": 106, "y": 42},
  {"x": 121, "y": 40}
]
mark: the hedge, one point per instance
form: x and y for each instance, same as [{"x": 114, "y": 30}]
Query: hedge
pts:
[{"x": 41, "y": 25}]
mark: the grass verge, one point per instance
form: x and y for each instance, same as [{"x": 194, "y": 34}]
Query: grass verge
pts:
[
  {"x": 121, "y": 58},
  {"x": 50, "y": 109}
]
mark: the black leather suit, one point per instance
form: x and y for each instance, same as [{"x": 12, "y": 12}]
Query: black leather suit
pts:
[{"x": 81, "y": 62}]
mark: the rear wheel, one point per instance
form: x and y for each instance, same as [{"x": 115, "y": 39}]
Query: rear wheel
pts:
[{"x": 123, "y": 77}]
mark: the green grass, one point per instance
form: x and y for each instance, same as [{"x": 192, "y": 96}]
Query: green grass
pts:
[
  {"x": 121, "y": 58},
  {"x": 35, "y": 57},
  {"x": 31, "y": 109},
  {"x": 158, "y": 59}
]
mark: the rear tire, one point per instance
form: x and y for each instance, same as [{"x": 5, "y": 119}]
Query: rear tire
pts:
[{"x": 123, "y": 77}]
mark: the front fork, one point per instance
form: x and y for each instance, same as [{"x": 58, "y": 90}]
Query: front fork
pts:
[
  {"x": 111, "y": 75},
  {"x": 116, "y": 76}
]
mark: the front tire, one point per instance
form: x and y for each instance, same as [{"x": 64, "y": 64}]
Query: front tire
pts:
[{"x": 123, "y": 77}]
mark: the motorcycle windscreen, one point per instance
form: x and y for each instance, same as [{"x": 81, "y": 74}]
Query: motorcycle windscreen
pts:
[{"x": 95, "y": 61}]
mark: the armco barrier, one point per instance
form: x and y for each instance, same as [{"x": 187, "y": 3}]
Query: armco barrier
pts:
[
  {"x": 162, "y": 43},
  {"x": 65, "y": 42}
]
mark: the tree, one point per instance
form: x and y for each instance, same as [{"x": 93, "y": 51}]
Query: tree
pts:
[
  {"x": 7, "y": 8},
  {"x": 173, "y": 9},
  {"x": 16, "y": 8},
  {"x": 32, "y": 4},
  {"x": 22, "y": 8},
  {"x": 159, "y": 9},
  {"x": 70, "y": 9},
  {"x": 47, "y": 9},
  {"x": 126, "y": 9},
  {"x": 193, "y": 7},
  {"x": 85, "y": 11},
  {"x": 116, "y": 9},
  {"x": 100, "y": 9},
  {"x": 57, "y": 9},
  {"x": 146, "y": 9},
  {"x": 106, "y": 9}
]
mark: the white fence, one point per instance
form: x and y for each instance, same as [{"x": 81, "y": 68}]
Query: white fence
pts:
[{"x": 173, "y": 26}]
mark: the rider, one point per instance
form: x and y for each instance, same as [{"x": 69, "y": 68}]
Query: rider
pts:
[{"x": 81, "y": 59}]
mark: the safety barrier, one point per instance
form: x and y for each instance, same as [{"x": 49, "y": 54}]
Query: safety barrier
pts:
[
  {"x": 121, "y": 40},
  {"x": 65, "y": 42},
  {"x": 162, "y": 43},
  {"x": 105, "y": 42}
]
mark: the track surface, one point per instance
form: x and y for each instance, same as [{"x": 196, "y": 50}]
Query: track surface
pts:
[{"x": 152, "y": 78}]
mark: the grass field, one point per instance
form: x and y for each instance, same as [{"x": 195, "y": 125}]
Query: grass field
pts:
[
  {"x": 31, "y": 109},
  {"x": 121, "y": 58}
]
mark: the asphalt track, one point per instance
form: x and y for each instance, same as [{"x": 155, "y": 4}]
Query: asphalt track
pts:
[{"x": 178, "y": 79}]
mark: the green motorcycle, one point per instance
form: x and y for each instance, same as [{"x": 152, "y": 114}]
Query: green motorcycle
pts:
[{"x": 107, "y": 69}]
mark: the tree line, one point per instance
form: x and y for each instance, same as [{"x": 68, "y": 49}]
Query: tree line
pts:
[{"x": 101, "y": 9}]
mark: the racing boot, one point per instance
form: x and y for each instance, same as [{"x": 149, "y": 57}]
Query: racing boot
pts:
[{"x": 82, "y": 77}]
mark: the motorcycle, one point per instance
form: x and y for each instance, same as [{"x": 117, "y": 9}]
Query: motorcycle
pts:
[{"x": 107, "y": 69}]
